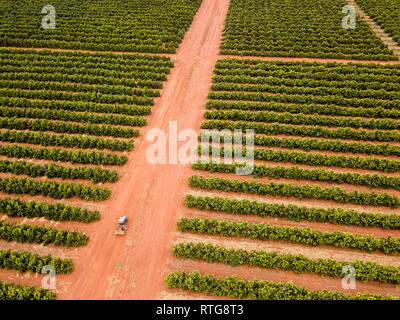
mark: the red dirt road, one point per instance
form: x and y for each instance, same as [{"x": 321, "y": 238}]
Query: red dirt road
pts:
[{"x": 133, "y": 267}]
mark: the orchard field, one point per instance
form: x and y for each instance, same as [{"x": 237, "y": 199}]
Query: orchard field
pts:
[
  {"x": 325, "y": 175},
  {"x": 291, "y": 28},
  {"x": 132, "y": 26},
  {"x": 319, "y": 192},
  {"x": 322, "y": 193},
  {"x": 68, "y": 121}
]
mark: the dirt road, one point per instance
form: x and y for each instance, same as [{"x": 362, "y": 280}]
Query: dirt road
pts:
[{"x": 133, "y": 267}]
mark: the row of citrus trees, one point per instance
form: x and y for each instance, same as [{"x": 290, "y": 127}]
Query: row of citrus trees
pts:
[
  {"x": 297, "y": 173},
  {"x": 304, "y": 99},
  {"x": 306, "y": 144},
  {"x": 329, "y": 75},
  {"x": 266, "y": 28},
  {"x": 52, "y": 170},
  {"x": 81, "y": 59},
  {"x": 86, "y": 117},
  {"x": 41, "y": 235},
  {"x": 64, "y": 155},
  {"x": 10, "y": 291},
  {"x": 44, "y": 94},
  {"x": 310, "y": 108},
  {"x": 281, "y": 189},
  {"x": 14, "y": 207},
  {"x": 53, "y": 189},
  {"x": 304, "y": 130},
  {"x": 301, "y": 119},
  {"x": 78, "y": 106},
  {"x": 304, "y": 79},
  {"x": 309, "y": 158},
  {"x": 313, "y": 237},
  {"x": 356, "y": 75},
  {"x": 68, "y": 141},
  {"x": 66, "y": 127},
  {"x": 32, "y": 84},
  {"x": 256, "y": 289},
  {"x": 365, "y": 271},
  {"x": 292, "y": 212},
  {"x": 302, "y": 90}
]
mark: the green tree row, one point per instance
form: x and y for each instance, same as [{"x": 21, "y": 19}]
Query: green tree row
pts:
[
  {"x": 329, "y": 71},
  {"x": 60, "y": 154},
  {"x": 308, "y": 144},
  {"x": 365, "y": 271},
  {"x": 302, "y": 130},
  {"x": 41, "y": 235},
  {"x": 52, "y": 170},
  {"x": 102, "y": 58},
  {"x": 67, "y": 127},
  {"x": 257, "y": 289},
  {"x": 14, "y": 207},
  {"x": 76, "y": 96},
  {"x": 47, "y": 139},
  {"x": 312, "y": 159},
  {"x": 301, "y": 119},
  {"x": 297, "y": 173},
  {"x": 54, "y": 189},
  {"x": 292, "y": 212},
  {"x": 133, "y": 73},
  {"x": 25, "y": 261},
  {"x": 330, "y": 109},
  {"x": 95, "y": 65},
  {"x": 305, "y": 81},
  {"x": 320, "y": 90},
  {"x": 86, "y": 117},
  {"x": 306, "y": 99},
  {"x": 307, "y": 236},
  {"x": 310, "y": 66},
  {"x": 65, "y": 74},
  {"x": 10, "y": 291},
  {"x": 336, "y": 194},
  {"x": 82, "y": 106},
  {"x": 27, "y": 84}
]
